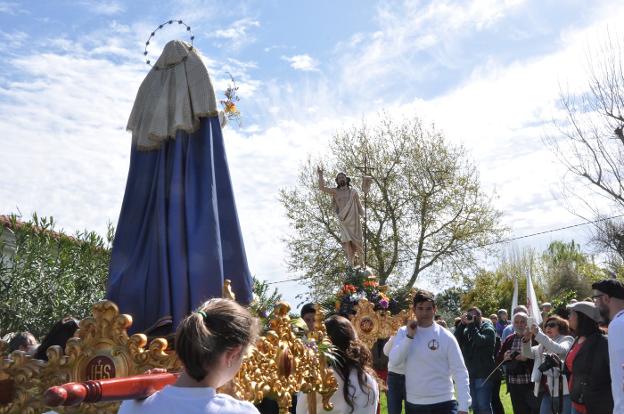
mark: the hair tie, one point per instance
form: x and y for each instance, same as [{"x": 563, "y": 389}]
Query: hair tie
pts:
[{"x": 203, "y": 314}]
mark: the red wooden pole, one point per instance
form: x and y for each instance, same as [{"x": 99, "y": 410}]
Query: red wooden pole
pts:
[{"x": 114, "y": 389}]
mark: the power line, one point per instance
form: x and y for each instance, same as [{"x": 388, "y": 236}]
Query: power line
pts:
[
  {"x": 548, "y": 231},
  {"x": 539, "y": 233}
]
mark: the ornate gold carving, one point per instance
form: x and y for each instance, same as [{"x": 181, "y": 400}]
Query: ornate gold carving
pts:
[
  {"x": 372, "y": 325},
  {"x": 100, "y": 349},
  {"x": 227, "y": 290},
  {"x": 281, "y": 364},
  {"x": 326, "y": 383}
]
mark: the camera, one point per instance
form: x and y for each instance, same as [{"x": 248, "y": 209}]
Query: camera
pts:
[
  {"x": 469, "y": 318},
  {"x": 550, "y": 361}
]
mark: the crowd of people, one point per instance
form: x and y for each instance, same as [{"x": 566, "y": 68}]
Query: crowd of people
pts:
[{"x": 568, "y": 364}]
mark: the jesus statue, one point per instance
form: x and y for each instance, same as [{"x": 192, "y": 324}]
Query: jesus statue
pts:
[{"x": 348, "y": 208}]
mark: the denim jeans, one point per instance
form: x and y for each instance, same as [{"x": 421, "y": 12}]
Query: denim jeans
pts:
[
  {"x": 547, "y": 404},
  {"x": 447, "y": 407},
  {"x": 481, "y": 394},
  {"x": 396, "y": 392}
]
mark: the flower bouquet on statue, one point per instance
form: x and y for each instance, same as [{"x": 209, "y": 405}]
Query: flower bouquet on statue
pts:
[
  {"x": 230, "y": 110},
  {"x": 361, "y": 283}
]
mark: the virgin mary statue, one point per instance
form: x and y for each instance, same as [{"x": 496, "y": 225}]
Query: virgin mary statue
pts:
[{"x": 178, "y": 236}]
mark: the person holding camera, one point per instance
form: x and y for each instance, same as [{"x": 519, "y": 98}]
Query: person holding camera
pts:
[
  {"x": 587, "y": 363},
  {"x": 477, "y": 338},
  {"x": 518, "y": 368},
  {"x": 553, "y": 345}
]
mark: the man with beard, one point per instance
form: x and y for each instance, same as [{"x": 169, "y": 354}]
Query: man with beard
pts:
[
  {"x": 348, "y": 208},
  {"x": 609, "y": 299},
  {"x": 518, "y": 368}
]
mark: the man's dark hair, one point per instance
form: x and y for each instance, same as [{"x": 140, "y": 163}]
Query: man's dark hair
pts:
[
  {"x": 59, "y": 335},
  {"x": 19, "y": 340},
  {"x": 611, "y": 287},
  {"x": 307, "y": 308},
  {"x": 424, "y": 296}
]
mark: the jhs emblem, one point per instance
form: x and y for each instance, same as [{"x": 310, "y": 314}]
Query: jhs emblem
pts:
[{"x": 433, "y": 344}]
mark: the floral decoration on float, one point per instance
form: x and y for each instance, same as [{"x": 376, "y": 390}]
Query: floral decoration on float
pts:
[{"x": 361, "y": 283}]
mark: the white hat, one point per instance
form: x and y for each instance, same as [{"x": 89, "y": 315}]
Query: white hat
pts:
[{"x": 587, "y": 308}]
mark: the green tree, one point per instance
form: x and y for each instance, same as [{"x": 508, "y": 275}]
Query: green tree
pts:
[
  {"x": 46, "y": 275},
  {"x": 568, "y": 269},
  {"x": 426, "y": 208},
  {"x": 493, "y": 290},
  {"x": 489, "y": 291},
  {"x": 448, "y": 302},
  {"x": 264, "y": 299}
]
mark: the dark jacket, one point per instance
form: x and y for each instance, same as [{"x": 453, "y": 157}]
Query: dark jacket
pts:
[
  {"x": 477, "y": 345},
  {"x": 591, "y": 378}
]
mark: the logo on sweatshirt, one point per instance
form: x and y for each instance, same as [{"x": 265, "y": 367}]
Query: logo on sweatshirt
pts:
[{"x": 433, "y": 344}]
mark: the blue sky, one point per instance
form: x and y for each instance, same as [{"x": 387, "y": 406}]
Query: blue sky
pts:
[{"x": 487, "y": 72}]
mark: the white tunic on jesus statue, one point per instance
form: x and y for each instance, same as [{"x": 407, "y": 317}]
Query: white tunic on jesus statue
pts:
[{"x": 348, "y": 208}]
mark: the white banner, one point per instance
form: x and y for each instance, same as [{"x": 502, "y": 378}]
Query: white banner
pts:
[
  {"x": 532, "y": 304},
  {"x": 514, "y": 298}
]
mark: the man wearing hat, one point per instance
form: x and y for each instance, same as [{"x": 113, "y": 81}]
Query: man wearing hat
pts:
[
  {"x": 609, "y": 299},
  {"x": 546, "y": 308}
]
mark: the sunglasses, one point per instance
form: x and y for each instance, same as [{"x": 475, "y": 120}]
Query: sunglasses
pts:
[{"x": 551, "y": 325}]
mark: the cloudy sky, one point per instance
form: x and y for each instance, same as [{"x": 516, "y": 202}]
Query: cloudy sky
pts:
[{"x": 487, "y": 72}]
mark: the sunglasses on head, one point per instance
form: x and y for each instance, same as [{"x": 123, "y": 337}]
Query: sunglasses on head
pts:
[{"x": 551, "y": 325}]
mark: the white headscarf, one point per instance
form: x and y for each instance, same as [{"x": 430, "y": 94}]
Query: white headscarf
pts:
[{"x": 174, "y": 95}]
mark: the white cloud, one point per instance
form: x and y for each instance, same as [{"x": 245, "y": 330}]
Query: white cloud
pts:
[
  {"x": 237, "y": 34},
  {"x": 107, "y": 8},
  {"x": 12, "y": 40},
  {"x": 407, "y": 28},
  {"x": 303, "y": 62},
  {"x": 11, "y": 8},
  {"x": 275, "y": 47}
]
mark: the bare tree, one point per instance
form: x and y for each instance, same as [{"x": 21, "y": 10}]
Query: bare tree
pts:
[
  {"x": 426, "y": 208},
  {"x": 590, "y": 143}
]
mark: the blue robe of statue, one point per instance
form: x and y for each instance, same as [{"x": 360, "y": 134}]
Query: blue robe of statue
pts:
[{"x": 178, "y": 235}]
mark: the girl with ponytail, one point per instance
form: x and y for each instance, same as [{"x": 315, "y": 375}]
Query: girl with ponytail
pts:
[
  {"x": 211, "y": 344},
  {"x": 358, "y": 391}
]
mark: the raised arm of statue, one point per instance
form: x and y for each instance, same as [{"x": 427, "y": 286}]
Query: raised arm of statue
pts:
[{"x": 321, "y": 182}]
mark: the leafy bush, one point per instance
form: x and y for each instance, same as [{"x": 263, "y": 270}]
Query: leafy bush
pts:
[{"x": 46, "y": 275}]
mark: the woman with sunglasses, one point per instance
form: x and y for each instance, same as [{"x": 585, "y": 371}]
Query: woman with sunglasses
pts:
[{"x": 553, "y": 346}]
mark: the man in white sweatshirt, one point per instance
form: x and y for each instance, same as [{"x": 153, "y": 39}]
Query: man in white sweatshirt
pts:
[{"x": 432, "y": 360}]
